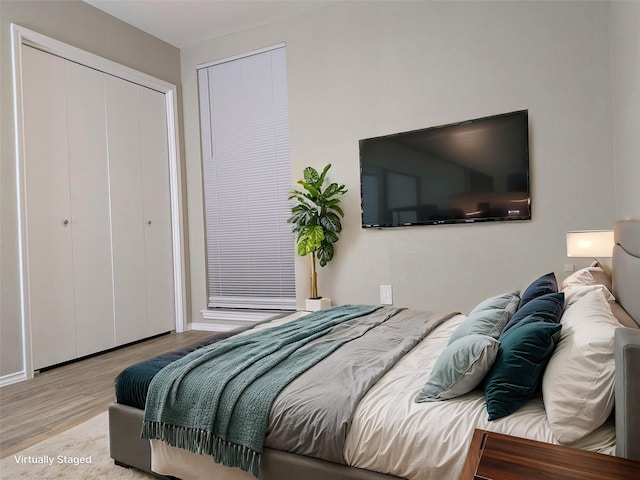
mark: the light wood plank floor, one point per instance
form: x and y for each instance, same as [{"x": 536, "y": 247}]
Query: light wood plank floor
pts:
[{"x": 60, "y": 398}]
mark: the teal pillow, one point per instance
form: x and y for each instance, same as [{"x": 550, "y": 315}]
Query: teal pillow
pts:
[
  {"x": 488, "y": 317},
  {"x": 460, "y": 368},
  {"x": 540, "y": 286},
  {"x": 522, "y": 357},
  {"x": 547, "y": 308}
]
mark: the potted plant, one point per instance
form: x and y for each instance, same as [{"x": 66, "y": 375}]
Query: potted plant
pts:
[{"x": 316, "y": 218}]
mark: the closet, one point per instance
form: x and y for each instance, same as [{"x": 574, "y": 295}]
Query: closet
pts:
[{"x": 97, "y": 209}]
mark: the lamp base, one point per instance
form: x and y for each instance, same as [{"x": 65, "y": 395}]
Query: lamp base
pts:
[{"x": 315, "y": 304}]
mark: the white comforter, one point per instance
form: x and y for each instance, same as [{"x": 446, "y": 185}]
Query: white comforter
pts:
[
  {"x": 393, "y": 434},
  {"x": 429, "y": 441}
]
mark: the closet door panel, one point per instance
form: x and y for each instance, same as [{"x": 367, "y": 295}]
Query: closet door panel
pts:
[
  {"x": 125, "y": 177},
  {"x": 157, "y": 211},
  {"x": 49, "y": 247},
  {"x": 89, "y": 183}
]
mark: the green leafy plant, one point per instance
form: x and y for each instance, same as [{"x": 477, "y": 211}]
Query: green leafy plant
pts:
[{"x": 316, "y": 218}]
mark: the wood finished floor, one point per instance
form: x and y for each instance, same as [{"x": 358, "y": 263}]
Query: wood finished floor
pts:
[{"x": 63, "y": 397}]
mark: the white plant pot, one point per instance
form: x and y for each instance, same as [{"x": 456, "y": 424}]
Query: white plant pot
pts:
[{"x": 315, "y": 304}]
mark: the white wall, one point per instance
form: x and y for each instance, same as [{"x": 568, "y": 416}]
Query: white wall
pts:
[
  {"x": 358, "y": 70},
  {"x": 625, "y": 90}
]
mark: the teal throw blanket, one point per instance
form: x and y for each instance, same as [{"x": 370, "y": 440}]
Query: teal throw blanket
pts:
[{"x": 216, "y": 400}]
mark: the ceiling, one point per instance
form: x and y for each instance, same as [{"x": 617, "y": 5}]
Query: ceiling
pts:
[{"x": 183, "y": 23}]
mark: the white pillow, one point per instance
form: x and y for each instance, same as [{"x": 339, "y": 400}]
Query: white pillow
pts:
[
  {"x": 591, "y": 275},
  {"x": 577, "y": 387},
  {"x": 575, "y": 292}
]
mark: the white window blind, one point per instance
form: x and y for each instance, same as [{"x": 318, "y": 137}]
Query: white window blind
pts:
[{"x": 247, "y": 178}]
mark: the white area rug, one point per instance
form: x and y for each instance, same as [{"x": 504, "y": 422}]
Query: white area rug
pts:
[{"x": 79, "y": 453}]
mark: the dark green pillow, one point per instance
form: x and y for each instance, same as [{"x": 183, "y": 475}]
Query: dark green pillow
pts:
[
  {"x": 522, "y": 357},
  {"x": 547, "y": 308},
  {"x": 540, "y": 286}
]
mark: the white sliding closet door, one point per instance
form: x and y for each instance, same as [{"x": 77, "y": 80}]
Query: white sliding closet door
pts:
[
  {"x": 48, "y": 208},
  {"x": 140, "y": 210},
  {"x": 89, "y": 180},
  {"x": 99, "y": 203},
  {"x": 158, "y": 243},
  {"x": 127, "y": 216},
  {"x": 98, "y": 232}
]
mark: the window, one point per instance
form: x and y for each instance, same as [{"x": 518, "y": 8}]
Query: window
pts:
[{"x": 247, "y": 178}]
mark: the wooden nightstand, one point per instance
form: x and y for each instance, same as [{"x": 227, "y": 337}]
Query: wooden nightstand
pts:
[{"x": 493, "y": 456}]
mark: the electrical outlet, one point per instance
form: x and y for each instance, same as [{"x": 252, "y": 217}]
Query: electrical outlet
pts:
[{"x": 386, "y": 296}]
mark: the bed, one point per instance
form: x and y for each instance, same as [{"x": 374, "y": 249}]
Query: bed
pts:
[{"x": 422, "y": 382}]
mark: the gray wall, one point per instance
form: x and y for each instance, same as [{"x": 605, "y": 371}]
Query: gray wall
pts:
[
  {"x": 362, "y": 69},
  {"x": 625, "y": 90},
  {"x": 88, "y": 28}
]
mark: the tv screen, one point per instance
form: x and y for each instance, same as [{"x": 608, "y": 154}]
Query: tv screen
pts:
[{"x": 472, "y": 171}]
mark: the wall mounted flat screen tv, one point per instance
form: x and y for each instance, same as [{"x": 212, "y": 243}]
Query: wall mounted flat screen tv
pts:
[{"x": 472, "y": 171}]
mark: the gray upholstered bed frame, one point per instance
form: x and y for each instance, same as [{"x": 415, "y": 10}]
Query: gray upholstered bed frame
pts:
[
  {"x": 127, "y": 449},
  {"x": 626, "y": 289}
]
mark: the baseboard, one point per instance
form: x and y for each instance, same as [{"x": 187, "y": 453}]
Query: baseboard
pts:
[
  {"x": 12, "y": 378},
  {"x": 223, "y": 320},
  {"x": 210, "y": 327}
]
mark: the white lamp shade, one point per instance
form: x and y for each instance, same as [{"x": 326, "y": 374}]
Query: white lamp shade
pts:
[{"x": 590, "y": 243}]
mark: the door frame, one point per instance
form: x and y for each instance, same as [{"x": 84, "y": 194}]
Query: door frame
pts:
[{"x": 21, "y": 36}]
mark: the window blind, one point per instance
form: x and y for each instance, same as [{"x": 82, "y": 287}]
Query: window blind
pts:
[{"x": 247, "y": 178}]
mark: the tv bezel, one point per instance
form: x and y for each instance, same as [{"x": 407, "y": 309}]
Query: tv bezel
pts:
[{"x": 519, "y": 218}]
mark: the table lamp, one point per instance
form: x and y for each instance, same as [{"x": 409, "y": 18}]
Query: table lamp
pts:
[{"x": 590, "y": 243}]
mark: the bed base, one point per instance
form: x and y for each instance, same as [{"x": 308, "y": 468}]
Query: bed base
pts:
[{"x": 129, "y": 450}]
